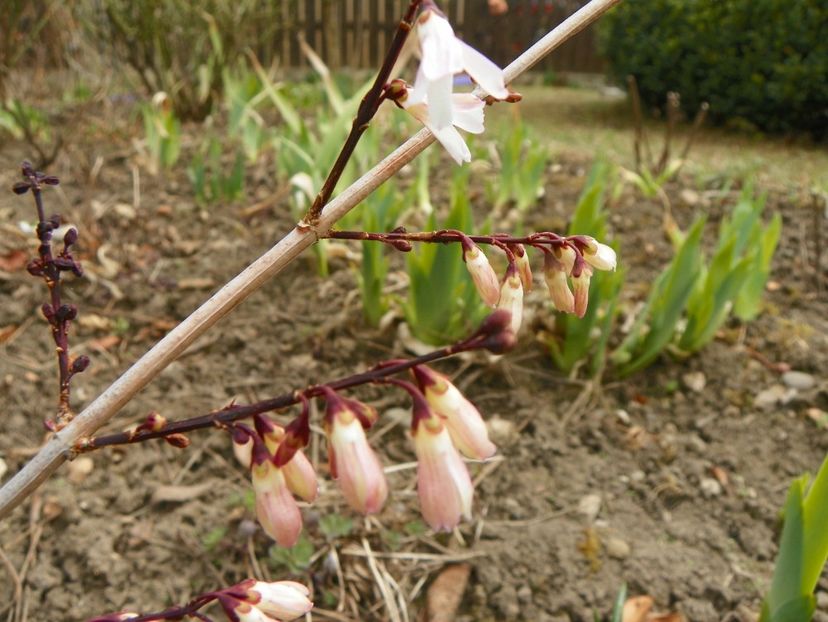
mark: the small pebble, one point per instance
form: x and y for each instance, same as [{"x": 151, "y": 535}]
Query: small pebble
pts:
[
  {"x": 589, "y": 506},
  {"x": 80, "y": 468},
  {"x": 774, "y": 395},
  {"x": 524, "y": 594},
  {"x": 710, "y": 487},
  {"x": 695, "y": 381},
  {"x": 617, "y": 548},
  {"x": 637, "y": 476},
  {"x": 798, "y": 380}
]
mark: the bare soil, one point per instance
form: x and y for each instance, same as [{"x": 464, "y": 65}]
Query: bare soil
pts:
[{"x": 653, "y": 481}]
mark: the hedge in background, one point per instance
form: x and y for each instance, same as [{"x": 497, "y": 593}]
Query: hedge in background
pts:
[{"x": 763, "y": 61}]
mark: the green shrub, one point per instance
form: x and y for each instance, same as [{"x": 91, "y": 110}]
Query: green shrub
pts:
[{"x": 761, "y": 61}]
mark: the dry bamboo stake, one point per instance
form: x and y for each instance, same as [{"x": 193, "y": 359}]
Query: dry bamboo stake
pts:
[{"x": 53, "y": 454}]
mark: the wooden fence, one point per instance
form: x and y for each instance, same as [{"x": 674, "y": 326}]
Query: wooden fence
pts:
[{"x": 355, "y": 33}]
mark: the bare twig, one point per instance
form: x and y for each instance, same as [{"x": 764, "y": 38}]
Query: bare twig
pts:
[{"x": 52, "y": 455}]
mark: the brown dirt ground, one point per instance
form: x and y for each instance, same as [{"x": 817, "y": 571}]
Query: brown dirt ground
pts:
[{"x": 647, "y": 447}]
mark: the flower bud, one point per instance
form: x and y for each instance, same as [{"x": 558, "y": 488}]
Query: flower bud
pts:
[
  {"x": 463, "y": 421},
  {"x": 70, "y": 237},
  {"x": 511, "y": 297},
  {"x": 179, "y": 441},
  {"x": 482, "y": 273},
  {"x": 242, "y": 445},
  {"x": 523, "y": 265},
  {"x": 300, "y": 477},
  {"x": 580, "y": 285},
  {"x": 555, "y": 276},
  {"x": 270, "y": 432},
  {"x": 80, "y": 364},
  {"x": 599, "y": 256},
  {"x": 443, "y": 483},
  {"x": 353, "y": 463},
  {"x": 284, "y": 600},
  {"x": 276, "y": 508}
]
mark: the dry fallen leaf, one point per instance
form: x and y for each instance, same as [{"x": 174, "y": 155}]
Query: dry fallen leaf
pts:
[
  {"x": 14, "y": 260},
  {"x": 104, "y": 343},
  {"x": 6, "y": 332},
  {"x": 638, "y": 609},
  {"x": 179, "y": 494},
  {"x": 446, "y": 593}
]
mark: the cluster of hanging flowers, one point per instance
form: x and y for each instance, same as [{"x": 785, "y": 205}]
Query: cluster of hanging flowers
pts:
[
  {"x": 571, "y": 261},
  {"x": 444, "y": 425}
]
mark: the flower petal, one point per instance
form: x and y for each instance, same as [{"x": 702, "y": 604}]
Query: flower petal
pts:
[
  {"x": 453, "y": 142},
  {"x": 441, "y": 54},
  {"x": 467, "y": 113},
  {"x": 440, "y": 101},
  {"x": 483, "y": 71}
]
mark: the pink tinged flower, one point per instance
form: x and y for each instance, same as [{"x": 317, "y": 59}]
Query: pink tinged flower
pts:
[
  {"x": 463, "y": 421},
  {"x": 353, "y": 463},
  {"x": 580, "y": 285},
  {"x": 523, "y": 266},
  {"x": 599, "y": 256},
  {"x": 443, "y": 483},
  {"x": 466, "y": 112},
  {"x": 555, "y": 276},
  {"x": 443, "y": 55},
  {"x": 482, "y": 273},
  {"x": 284, "y": 600},
  {"x": 511, "y": 297},
  {"x": 300, "y": 477},
  {"x": 276, "y": 508},
  {"x": 243, "y": 611}
]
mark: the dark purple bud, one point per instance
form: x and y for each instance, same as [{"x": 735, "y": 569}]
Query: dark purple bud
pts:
[
  {"x": 77, "y": 270},
  {"x": 80, "y": 364},
  {"x": 399, "y": 229},
  {"x": 50, "y": 180},
  {"x": 402, "y": 245},
  {"x": 71, "y": 237},
  {"x": 35, "y": 267},
  {"x": 66, "y": 312},
  {"x": 54, "y": 220},
  {"x": 178, "y": 440},
  {"x": 21, "y": 187},
  {"x": 501, "y": 342},
  {"x": 47, "y": 311},
  {"x": 27, "y": 169}
]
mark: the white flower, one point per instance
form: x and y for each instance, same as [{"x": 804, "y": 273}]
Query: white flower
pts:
[
  {"x": 599, "y": 255},
  {"x": 444, "y": 55},
  {"x": 466, "y": 113}
]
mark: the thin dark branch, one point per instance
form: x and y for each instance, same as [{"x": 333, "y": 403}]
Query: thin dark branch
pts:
[{"x": 367, "y": 109}]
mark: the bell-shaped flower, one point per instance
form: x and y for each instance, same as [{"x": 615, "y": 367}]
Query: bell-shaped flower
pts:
[
  {"x": 284, "y": 600},
  {"x": 599, "y": 256},
  {"x": 298, "y": 471},
  {"x": 276, "y": 508},
  {"x": 243, "y": 611},
  {"x": 444, "y": 486},
  {"x": 523, "y": 265},
  {"x": 511, "y": 297},
  {"x": 554, "y": 273},
  {"x": 463, "y": 421},
  {"x": 444, "y": 55},
  {"x": 482, "y": 273},
  {"x": 580, "y": 286},
  {"x": 353, "y": 463}
]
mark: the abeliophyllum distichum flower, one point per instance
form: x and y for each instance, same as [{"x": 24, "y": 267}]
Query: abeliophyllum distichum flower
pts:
[{"x": 431, "y": 99}]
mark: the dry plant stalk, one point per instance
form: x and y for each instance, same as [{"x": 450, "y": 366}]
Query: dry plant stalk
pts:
[{"x": 104, "y": 407}]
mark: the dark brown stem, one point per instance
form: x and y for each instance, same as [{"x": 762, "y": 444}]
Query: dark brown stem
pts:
[
  {"x": 398, "y": 239},
  {"x": 367, "y": 109},
  {"x": 49, "y": 267},
  {"x": 492, "y": 336},
  {"x": 173, "y": 613}
]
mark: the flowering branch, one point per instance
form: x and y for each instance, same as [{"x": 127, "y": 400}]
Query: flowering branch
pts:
[
  {"x": 106, "y": 405},
  {"x": 49, "y": 267},
  {"x": 493, "y": 335},
  {"x": 367, "y": 109}
]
